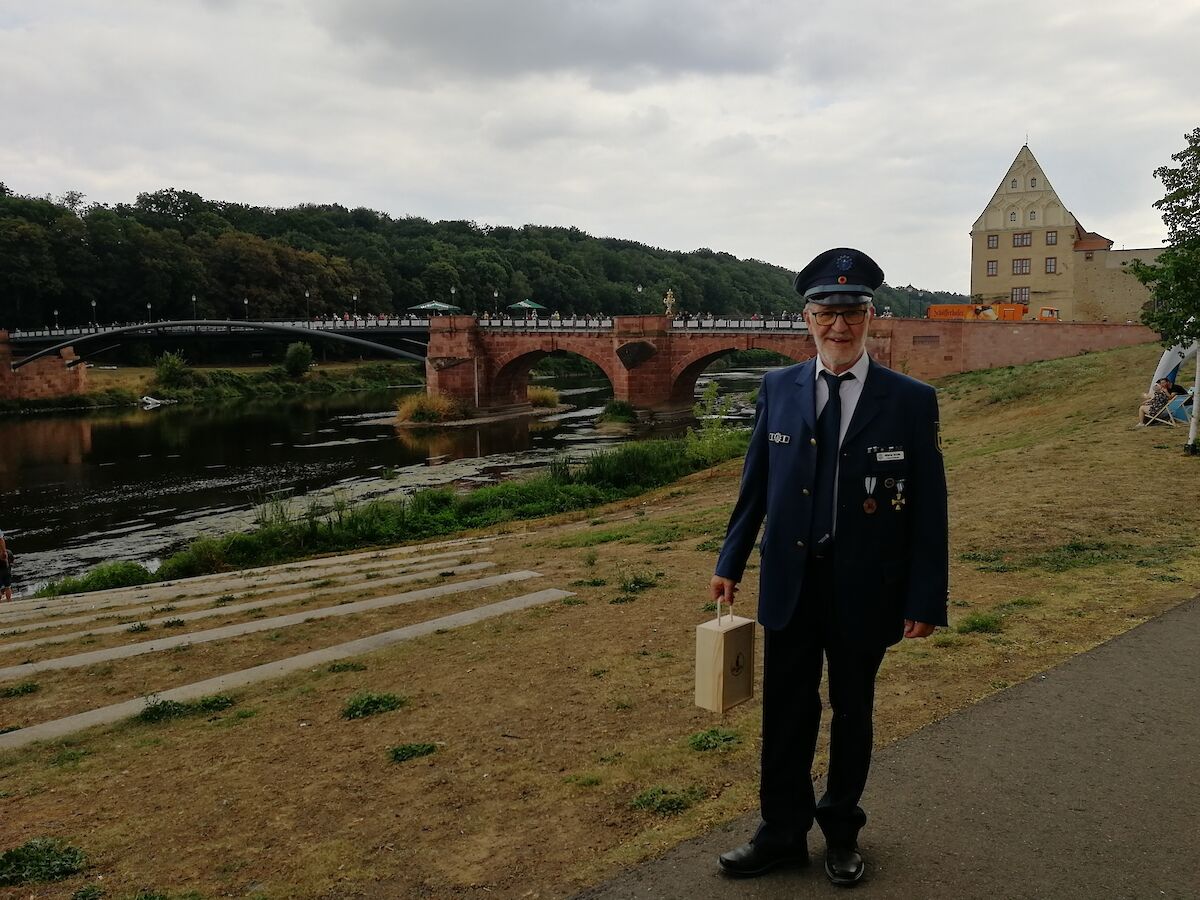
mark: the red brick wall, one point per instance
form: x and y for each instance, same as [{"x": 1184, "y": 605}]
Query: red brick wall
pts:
[
  {"x": 41, "y": 379},
  {"x": 927, "y": 349}
]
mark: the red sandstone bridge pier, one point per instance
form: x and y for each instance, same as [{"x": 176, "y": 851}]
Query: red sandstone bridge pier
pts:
[{"x": 653, "y": 361}]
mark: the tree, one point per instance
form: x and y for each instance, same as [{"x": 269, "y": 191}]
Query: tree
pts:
[
  {"x": 298, "y": 358},
  {"x": 1174, "y": 278}
]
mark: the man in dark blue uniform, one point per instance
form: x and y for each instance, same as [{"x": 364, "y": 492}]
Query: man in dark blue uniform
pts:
[{"x": 845, "y": 467}]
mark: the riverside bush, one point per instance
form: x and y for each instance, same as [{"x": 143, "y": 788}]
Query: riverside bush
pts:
[
  {"x": 430, "y": 408},
  {"x": 618, "y": 411},
  {"x": 601, "y": 477},
  {"x": 542, "y": 396},
  {"x": 297, "y": 359}
]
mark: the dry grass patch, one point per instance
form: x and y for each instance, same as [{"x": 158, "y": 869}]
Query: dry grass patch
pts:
[{"x": 542, "y": 396}]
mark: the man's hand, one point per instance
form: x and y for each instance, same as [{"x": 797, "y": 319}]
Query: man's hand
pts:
[
  {"x": 913, "y": 629},
  {"x": 722, "y": 589}
]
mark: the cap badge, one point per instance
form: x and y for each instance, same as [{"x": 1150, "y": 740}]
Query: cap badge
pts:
[
  {"x": 844, "y": 262},
  {"x": 841, "y": 279}
]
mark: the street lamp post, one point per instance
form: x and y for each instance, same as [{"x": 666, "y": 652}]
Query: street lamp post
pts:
[
  {"x": 149, "y": 313},
  {"x": 56, "y": 320},
  {"x": 495, "y": 300},
  {"x": 193, "y": 306},
  {"x": 307, "y": 310},
  {"x": 246, "y": 303},
  {"x": 453, "y": 291},
  {"x": 354, "y": 306},
  {"x": 94, "y": 323}
]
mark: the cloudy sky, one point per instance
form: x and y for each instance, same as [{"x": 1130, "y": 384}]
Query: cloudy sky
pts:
[{"x": 764, "y": 129}]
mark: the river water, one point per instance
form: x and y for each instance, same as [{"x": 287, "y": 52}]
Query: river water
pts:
[{"x": 135, "y": 484}]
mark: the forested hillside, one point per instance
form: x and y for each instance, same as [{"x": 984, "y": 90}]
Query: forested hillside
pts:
[{"x": 63, "y": 254}]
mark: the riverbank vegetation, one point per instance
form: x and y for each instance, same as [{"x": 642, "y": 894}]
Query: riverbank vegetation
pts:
[
  {"x": 173, "y": 378},
  {"x": 169, "y": 246},
  {"x": 286, "y": 533}
]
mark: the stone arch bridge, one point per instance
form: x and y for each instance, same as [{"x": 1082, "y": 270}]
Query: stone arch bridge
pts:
[
  {"x": 653, "y": 362},
  {"x": 651, "y": 365}
]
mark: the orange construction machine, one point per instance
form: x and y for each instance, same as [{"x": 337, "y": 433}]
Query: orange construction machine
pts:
[{"x": 993, "y": 312}]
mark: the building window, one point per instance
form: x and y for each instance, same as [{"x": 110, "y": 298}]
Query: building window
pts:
[
  {"x": 1023, "y": 239},
  {"x": 992, "y": 267},
  {"x": 931, "y": 339},
  {"x": 993, "y": 241},
  {"x": 1051, "y": 265},
  {"x": 1033, "y": 215},
  {"x": 1020, "y": 295},
  {"x": 1051, "y": 237},
  {"x": 1012, "y": 217},
  {"x": 1014, "y": 184},
  {"x": 1020, "y": 266},
  {"x": 1033, "y": 182}
]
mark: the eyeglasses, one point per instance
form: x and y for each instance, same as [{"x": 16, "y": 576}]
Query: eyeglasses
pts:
[{"x": 849, "y": 316}]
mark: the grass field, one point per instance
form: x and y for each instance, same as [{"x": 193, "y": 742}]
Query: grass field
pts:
[{"x": 536, "y": 753}]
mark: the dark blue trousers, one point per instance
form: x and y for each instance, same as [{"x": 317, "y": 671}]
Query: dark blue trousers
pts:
[{"x": 793, "y": 660}]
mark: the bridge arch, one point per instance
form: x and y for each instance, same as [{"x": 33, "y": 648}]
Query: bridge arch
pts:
[
  {"x": 510, "y": 378},
  {"x": 79, "y": 340},
  {"x": 687, "y": 371}
]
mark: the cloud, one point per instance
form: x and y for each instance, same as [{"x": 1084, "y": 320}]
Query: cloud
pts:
[
  {"x": 604, "y": 40},
  {"x": 764, "y": 130}
]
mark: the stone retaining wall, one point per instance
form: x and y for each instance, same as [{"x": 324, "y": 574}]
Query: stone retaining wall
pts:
[{"x": 42, "y": 379}]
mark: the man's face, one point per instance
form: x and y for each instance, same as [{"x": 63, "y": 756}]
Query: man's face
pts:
[{"x": 840, "y": 344}]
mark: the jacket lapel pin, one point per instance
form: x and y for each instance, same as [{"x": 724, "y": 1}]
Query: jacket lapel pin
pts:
[{"x": 778, "y": 437}]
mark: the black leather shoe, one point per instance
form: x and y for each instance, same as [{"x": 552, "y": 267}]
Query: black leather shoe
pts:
[
  {"x": 844, "y": 865},
  {"x": 751, "y": 860}
]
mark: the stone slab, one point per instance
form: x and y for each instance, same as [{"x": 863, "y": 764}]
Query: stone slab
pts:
[{"x": 118, "y": 711}]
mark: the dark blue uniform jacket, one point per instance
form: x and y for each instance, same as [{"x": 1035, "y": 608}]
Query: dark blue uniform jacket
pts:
[{"x": 891, "y": 557}]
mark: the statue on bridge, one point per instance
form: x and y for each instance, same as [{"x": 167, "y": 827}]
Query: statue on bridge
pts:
[{"x": 669, "y": 302}]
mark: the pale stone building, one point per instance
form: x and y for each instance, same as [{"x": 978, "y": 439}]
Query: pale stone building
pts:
[{"x": 1027, "y": 247}]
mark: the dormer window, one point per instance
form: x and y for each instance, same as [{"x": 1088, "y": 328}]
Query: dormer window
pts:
[
  {"x": 1014, "y": 184},
  {"x": 1033, "y": 182},
  {"x": 1012, "y": 217}
]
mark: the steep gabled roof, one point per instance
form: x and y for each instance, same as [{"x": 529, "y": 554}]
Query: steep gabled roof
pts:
[{"x": 1090, "y": 240}]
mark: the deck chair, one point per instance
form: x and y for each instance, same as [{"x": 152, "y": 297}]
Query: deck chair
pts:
[
  {"x": 1178, "y": 409},
  {"x": 1173, "y": 413}
]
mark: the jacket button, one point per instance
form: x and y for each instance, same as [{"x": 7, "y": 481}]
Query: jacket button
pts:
[
  {"x": 813, "y": 441},
  {"x": 800, "y": 544},
  {"x": 805, "y": 492}
]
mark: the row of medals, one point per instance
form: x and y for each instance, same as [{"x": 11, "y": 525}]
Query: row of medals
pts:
[{"x": 870, "y": 505}]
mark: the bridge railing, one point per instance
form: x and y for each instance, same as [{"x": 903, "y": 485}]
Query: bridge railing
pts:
[
  {"x": 573, "y": 323},
  {"x": 315, "y": 324}
]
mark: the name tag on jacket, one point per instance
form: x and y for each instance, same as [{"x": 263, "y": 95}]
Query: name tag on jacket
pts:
[
  {"x": 778, "y": 437},
  {"x": 889, "y": 455}
]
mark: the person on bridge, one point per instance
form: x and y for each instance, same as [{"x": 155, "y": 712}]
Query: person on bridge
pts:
[{"x": 845, "y": 466}]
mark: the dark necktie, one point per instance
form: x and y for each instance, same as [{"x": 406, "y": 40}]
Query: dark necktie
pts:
[{"x": 829, "y": 429}]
